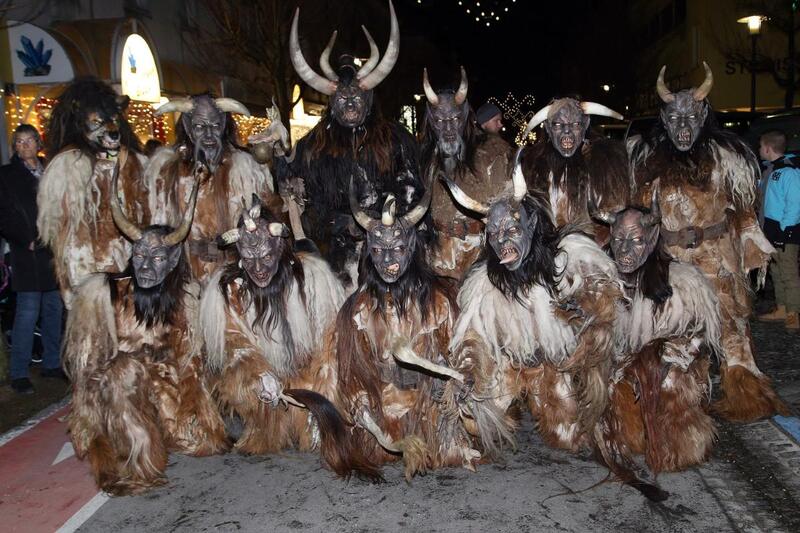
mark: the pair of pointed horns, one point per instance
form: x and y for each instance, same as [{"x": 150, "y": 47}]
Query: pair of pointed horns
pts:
[
  {"x": 460, "y": 96},
  {"x": 130, "y": 229},
  {"x": 369, "y": 75},
  {"x": 517, "y": 179},
  {"x": 699, "y": 94},
  {"x": 249, "y": 217},
  {"x": 388, "y": 214},
  {"x": 186, "y": 105},
  {"x": 588, "y": 108},
  {"x": 650, "y": 219}
]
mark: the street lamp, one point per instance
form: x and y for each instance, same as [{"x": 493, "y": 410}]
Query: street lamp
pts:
[{"x": 754, "y": 27}]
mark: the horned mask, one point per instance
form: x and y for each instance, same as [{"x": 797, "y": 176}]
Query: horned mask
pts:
[
  {"x": 684, "y": 113},
  {"x": 447, "y": 114},
  {"x": 260, "y": 243},
  {"x": 204, "y": 119},
  {"x": 566, "y": 121},
  {"x": 350, "y": 90},
  {"x": 156, "y": 252}
]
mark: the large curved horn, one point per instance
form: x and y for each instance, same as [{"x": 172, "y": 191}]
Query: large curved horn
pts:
[
  {"x": 415, "y": 215},
  {"x": 126, "y": 227},
  {"x": 179, "y": 234},
  {"x": 430, "y": 94},
  {"x": 654, "y": 217},
  {"x": 374, "y": 56},
  {"x": 389, "y": 210},
  {"x": 303, "y": 69},
  {"x": 463, "y": 199},
  {"x": 661, "y": 88},
  {"x": 461, "y": 93},
  {"x": 518, "y": 179},
  {"x": 180, "y": 105},
  {"x": 536, "y": 119},
  {"x": 324, "y": 59},
  {"x": 592, "y": 108},
  {"x": 229, "y": 105},
  {"x": 363, "y": 219},
  {"x": 379, "y": 73},
  {"x": 606, "y": 217},
  {"x": 701, "y": 92}
]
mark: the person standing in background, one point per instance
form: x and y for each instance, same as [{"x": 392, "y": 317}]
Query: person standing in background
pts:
[
  {"x": 490, "y": 118},
  {"x": 32, "y": 275},
  {"x": 780, "y": 218}
]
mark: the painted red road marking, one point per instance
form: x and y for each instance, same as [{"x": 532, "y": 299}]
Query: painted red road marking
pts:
[{"x": 35, "y": 494}]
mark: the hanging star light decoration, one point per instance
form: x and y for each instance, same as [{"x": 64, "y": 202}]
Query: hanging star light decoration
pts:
[
  {"x": 518, "y": 112},
  {"x": 483, "y": 12}
]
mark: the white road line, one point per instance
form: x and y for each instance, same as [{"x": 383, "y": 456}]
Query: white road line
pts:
[
  {"x": 9, "y": 435},
  {"x": 84, "y": 513}
]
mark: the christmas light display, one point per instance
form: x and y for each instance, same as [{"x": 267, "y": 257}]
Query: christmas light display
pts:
[
  {"x": 518, "y": 113},
  {"x": 483, "y": 12}
]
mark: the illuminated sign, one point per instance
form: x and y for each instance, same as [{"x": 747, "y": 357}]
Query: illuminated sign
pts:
[
  {"x": 35, "y": 56},
  {"x": 139, "y": 75}
]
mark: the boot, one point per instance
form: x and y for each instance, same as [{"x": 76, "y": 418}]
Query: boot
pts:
[
  {"x": 778, "y": 315},
  {"x": 792, "y": 321}
]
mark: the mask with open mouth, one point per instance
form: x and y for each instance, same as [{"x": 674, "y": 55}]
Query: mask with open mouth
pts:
[
  {"x": 566, "y": 125},
  {"x": 391, "y": 239},
  {"x": 447, "y": 115},
  {"x": 101, "y": 128},
  {"x": 684, "y": 113}
]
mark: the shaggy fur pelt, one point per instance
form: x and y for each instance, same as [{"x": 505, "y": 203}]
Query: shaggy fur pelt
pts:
[{"x": 136, "y": 391}]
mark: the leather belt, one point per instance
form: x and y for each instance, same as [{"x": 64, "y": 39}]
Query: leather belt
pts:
[
  {"x": 692, "y": 236},
  {"x": 459, "y": 227}
]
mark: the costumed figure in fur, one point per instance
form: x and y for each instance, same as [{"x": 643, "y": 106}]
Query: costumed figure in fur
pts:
[
  {"x": 87, "y": 132},
  {"x": 537, "y": 320},
  {"x": 707, "y": 181},
  {"x": 453, "y": 143},
  {"x": 206, "y": 133},
  {"x": 351, "y": 140},
  {"x": 391, "y": 342},
  {"x": 133, "y": 354},
  {"x": 670, "y": 327},
  {"x": 572, "y": 165},
  {"x": 263, "y": 320}
]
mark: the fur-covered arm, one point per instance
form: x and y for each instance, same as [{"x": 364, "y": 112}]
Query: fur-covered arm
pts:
[
  {"x": 756, "y": 250},
  {"x": 324, "y": 294},
  {"x": 91, "y": 332}
]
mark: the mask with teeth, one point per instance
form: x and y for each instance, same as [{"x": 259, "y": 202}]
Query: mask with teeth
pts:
[
  {"x": 684, "y": 112},
  {"x": 509, "y": 231},
  {"x": 391, "y": 240},
  {"x": 102, "y": 129},
  {"x": 205, "y": 127},
  {"x": 447, "y": 115},
  {"x": 566, "y": 126},
  {"x": 350, "y": 105}
]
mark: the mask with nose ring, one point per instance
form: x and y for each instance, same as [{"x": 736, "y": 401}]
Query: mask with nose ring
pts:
[
  {"x": 350, "y": 89},
  {"x": 391, "y": 240},
  {"x": 566, "y": 121},
  {"x": 447, "y": 115},
  {"x": 205, "y": 121},
  {"x": 261, "y": 244},
  {"x": 684, "y": 113}
]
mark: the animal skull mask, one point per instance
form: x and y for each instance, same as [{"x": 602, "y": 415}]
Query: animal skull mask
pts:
[
  {"x": 447, "y": 114},
  {"x": 101, "y": 128},
  {"x": 634, "y": 234},
  {"x": 684, "y": 113},
  {"x": 260, "y": 244},
  {"x": 156, "y": 250},
  {"x": 350, "y": 90},
  {"x": 391, "y": 240},
  {"x": 204, "y": 119}
]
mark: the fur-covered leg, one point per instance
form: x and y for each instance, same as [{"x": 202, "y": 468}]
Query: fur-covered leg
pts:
[
  {"x": 687, "y": 433},
  {"x": 552, "y": 402},
  {"x": 625, "y": 417},
  {"x": 746, "y": 397},
  {"x": 200, "y": 428}
]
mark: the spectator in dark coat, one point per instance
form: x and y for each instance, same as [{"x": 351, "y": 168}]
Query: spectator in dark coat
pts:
[{"x": 32, "y": 276}]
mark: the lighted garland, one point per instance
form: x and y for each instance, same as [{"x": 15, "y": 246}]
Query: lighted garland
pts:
[
  {"x": 483, "y": 12},
  {"x": 519, "y": 113},
  {"x": 247, "y": 126}
]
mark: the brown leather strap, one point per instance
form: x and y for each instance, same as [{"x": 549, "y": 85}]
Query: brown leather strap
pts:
[
  {"x": 692, "y": 236},
  {"x": 459, "y": 227}
]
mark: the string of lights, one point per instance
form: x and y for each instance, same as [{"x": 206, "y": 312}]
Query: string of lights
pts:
[
  {"x": 247, "y": 126},
  {"x": 484, "y": 12},
  {"x": 518, "y": 113}
]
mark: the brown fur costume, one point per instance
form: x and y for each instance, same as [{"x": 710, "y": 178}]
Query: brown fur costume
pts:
[{"x": 136, "y": 388}]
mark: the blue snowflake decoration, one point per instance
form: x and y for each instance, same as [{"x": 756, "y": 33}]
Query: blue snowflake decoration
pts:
[{"x": 35, "y": 58}]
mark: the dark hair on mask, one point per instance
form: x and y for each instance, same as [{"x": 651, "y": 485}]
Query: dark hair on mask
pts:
[
  {"x": 473, "y": 136},
  {"x": 229, "y": 135},
  {"x": 82, "y": 97},
  {"x": 161, "y": 304}
]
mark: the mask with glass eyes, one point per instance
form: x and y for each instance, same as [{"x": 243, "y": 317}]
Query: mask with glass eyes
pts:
[
  {"x": 205, "y": 127},
  {"x": 509, "y": 231},
  {"x": 153, "y": 259},
  {"x": 350, "y": 105},
  {"x": 566, "y": 125},
  {"x": 683, "y": 118}
]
